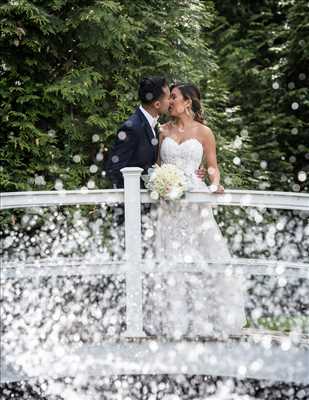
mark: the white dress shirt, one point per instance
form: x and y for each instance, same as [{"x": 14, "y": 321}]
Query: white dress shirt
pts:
[{"x": 151, "y": 120}]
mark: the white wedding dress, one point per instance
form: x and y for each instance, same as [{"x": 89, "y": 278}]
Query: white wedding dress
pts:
[{"x": 191, "y": 303}]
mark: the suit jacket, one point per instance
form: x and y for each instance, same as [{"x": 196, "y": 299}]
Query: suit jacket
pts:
[{"x": 134, "y": 146}]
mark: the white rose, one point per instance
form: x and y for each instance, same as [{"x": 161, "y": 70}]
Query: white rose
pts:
[
  {"x": 154, "y": 195},
  {"x": 174, "y": 194}
]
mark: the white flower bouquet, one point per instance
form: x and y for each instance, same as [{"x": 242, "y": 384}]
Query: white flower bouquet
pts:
[{"x": 166, "y": 182}]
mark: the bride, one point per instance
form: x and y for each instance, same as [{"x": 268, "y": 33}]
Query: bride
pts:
[{"x": 191, "y": 303}]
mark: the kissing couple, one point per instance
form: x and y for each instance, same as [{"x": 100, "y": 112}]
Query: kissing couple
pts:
[
  {"x": 181, "y": 304},
  {"x": 138, "y": 141}
]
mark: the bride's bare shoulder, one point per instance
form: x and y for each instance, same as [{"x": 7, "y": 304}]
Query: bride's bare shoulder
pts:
[{"x": 205, "y": 132}]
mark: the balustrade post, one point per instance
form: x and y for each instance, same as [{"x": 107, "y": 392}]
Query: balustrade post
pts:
[{"x": 133, "y": 245}]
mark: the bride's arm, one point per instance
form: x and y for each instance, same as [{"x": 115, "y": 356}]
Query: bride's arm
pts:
[{"x": 209, "y": 145}]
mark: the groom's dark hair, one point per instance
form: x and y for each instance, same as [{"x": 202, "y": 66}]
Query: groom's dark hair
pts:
[{"x": 151, "y": 89}]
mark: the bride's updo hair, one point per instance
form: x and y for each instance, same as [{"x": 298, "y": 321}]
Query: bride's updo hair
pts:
[{"x": 191, "y": 92}]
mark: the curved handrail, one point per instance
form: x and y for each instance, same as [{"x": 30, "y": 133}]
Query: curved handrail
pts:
[
  {"x": 62, "y": 197},
  {"x": 70, "y": 267},
  {"x": 243, "y": 198},
  {"x": 132, "y": 197}
]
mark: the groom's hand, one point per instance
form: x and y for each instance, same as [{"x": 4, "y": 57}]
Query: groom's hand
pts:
[
  {"x": 201, "y": 173},
  {"x": 220, "y": 189}
]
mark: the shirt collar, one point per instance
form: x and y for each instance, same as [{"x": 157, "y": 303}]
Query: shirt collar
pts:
[{"x": 152, "y": 120}]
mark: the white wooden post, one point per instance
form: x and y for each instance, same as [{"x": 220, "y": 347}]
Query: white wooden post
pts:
[{"x": 133, "y": 243}]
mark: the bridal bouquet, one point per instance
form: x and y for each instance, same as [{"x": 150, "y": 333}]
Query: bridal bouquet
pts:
[{"x": 166, "y": 182}]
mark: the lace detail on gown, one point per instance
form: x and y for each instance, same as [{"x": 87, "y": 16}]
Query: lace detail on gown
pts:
[
  {"x": 187, "y": 156},
  {"x": 181, "y": 303}
]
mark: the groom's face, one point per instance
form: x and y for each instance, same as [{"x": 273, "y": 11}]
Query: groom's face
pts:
[{"x": 163, "y": 104}]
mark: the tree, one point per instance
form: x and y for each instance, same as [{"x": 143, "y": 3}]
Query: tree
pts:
[
  {"x": 261, "y": 49},
  {"x": 69, "y": 75}
]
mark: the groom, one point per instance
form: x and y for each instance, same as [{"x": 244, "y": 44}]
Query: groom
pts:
[{"x": 136, "y": 143}]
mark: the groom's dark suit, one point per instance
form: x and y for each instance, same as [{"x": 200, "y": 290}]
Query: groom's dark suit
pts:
[{"x": 135, "y": 146}]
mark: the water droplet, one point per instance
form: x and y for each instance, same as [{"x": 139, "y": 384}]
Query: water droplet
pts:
[
  {"x": 302, "y": 76},
  {"x": 115, "y": 159},
  {"x": 244, "y": 133},
  {"x": 258, "y": 218},
  {"x": 211, "y": 171},
  {"x": 266, "y": 342},
  {"x": 282, "y": 282},
  {"x": 291, "y": 85},
  {"x": 153, "y": 346},
  {"x": 188, "y": 258},
  {"x": 237, "y": 143},
  {"x": 149, "y": 233},
  {"x": 294, "y": 131},
  {"x": 286, "y": 344},
  {"x": 228, "y": 180},
  {"x": 149, "y": 96},
  {"x": 292, "y": 159},
  {"x": 171, "y": 397},
  {"x": 276, "y": 85},
  {"x": 58, "y": 184},
  {"x": 51, "y": 133},
  {"x": 242, "y": 369},
  {"x": 236, "y": 160},
  {"x": 154, "y": 141},
  {"x": 255, "y": 156},
  {"x": 295, "y": 106},
  {"x": 128, "y": 124},
  {"x": 263, "y": 164},
  {"x": 263, "y": 185},
  {"x": 256, "y": 365},
  {"x": 302, "y": 176},
  {"x": 76, "y": 158},
  {"x": 122, "y": 135},
  {"x": 257, "y": 313},
  {"x": 99, "y": 157},
  {"x": 39, "y": 180},
  {"x": 95, "y": 138},
  {"x": 93, "y": 168},
  {"x": 91, "y": 184}
]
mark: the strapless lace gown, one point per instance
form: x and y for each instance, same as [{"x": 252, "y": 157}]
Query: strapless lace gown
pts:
[{"x": 189, "y": 304}]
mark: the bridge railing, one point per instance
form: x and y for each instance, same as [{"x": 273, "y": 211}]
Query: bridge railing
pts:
[{"x": 133, "y": 266}]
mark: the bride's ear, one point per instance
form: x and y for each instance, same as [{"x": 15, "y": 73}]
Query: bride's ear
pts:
[{"x": 188, "y": 104}]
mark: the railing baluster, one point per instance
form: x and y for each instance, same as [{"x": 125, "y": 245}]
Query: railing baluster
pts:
[{"x": 133, "y": 243}]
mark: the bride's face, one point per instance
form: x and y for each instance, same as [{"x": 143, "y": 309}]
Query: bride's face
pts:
[{"x": 178, "y": 104}]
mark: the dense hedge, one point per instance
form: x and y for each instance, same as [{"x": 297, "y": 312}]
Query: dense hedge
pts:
[{"x": 69, "y": 73}]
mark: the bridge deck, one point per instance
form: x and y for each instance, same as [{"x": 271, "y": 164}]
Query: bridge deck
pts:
[
  {"x": 255, "y": 354},
  {"x": 252, "y": 355}
]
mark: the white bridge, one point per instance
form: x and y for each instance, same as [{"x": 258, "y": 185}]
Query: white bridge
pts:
[{"x": 252, "y": 354}]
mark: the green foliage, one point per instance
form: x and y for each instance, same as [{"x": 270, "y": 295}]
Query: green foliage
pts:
[
  {"x": 262, "y": 52},
  {"x": 69, "y": 73},
  {"x": 282, "y": 323}
]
